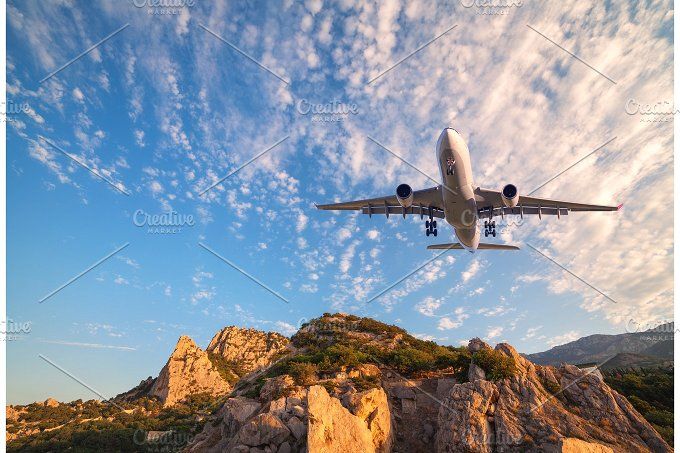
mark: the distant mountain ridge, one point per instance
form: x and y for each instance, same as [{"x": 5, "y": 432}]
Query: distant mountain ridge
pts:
[{"x": 651, "y": 346}]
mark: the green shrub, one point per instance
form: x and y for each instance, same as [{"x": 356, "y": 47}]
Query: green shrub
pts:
[
  {"x": 495, "y": 364},
  {"x": 304, "y": 373},
  {"x": 551, "y": 387},
  {"x": 230, "y": 371}
]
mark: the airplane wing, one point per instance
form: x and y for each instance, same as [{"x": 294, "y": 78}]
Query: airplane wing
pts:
[
  {"x": 481, "y": 246},
  {"x": 424, "y": 201},
  {"x": 490, "y": 204}
]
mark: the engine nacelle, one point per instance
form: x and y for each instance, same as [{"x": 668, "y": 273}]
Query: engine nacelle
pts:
[
  {"x": 510, "y": 195},
  {"x": 405, "y": 195}
]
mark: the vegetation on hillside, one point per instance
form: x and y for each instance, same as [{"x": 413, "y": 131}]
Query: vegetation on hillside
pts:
[
  {"x": 650, "y": 391},
  {"x": 229, "y": 370},
  {"x": 92, "y": 426},
  {"x": 338, "y": 342}
]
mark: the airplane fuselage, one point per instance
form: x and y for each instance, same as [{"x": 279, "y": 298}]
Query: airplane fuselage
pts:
[{"x": 460, "y": 207}]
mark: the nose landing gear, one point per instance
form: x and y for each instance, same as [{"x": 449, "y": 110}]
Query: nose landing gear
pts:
[
  {"x": 431, "y": 227},
  {"x": 489, "y": 228}
]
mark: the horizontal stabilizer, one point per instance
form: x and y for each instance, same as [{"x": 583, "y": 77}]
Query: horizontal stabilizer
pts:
[{"x": 482, "y": 246}]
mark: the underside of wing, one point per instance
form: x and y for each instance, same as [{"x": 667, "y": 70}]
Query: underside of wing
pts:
[
  {"x": 425, "y": 202},
  {"x": 490, "y": 204},
  {"x": 481, "y": 246}
]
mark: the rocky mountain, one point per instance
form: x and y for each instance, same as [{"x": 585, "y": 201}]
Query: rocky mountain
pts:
[
  {"x": 657, "y": 342},
  {"x": 343, "y": 384},
  {"x": 188, "y": 371},
  {"x": 354, "y": 384},
  {"x": 232, "y": 353},
  {"x": 248, "y": 349}
]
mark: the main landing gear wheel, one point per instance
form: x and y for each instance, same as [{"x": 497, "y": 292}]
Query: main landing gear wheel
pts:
[
  {"x": 489, "y": 228},
  {"x": 431, "y": 227}
]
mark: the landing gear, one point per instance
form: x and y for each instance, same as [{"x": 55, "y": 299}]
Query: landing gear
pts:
[
  {"x": 431, "y": 227},
  {"x": 489, "y": 228},
  {"x": 450, "y": 162}
]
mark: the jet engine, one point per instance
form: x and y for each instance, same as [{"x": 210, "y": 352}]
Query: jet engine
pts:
[
  {"x": 405, "y": 195},
  {"x": 510, "y": 195}
]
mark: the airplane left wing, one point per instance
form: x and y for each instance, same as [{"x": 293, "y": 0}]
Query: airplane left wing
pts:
[
  {"x": 490, "y": 204},
  {"x": 424, "y": 202}
]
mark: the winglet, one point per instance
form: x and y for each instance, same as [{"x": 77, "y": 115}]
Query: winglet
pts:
[{"x": 618, "y": 208}]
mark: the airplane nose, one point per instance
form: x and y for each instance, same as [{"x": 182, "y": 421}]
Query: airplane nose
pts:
[{"x": 447, "y": 138}]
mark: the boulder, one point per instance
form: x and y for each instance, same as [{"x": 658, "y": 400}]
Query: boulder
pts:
[
  {"x": 371, "y": 406},
  {"x": 50, "y": 402},
  {"x": 263, "y": 429},
  {"x": 276, "y": 387},
  {"x": 463, "y": 422},
  {"x": 477, "y": 344},
  {"x": 332, "y": 428},
  {"x": 475, "y": 373}
]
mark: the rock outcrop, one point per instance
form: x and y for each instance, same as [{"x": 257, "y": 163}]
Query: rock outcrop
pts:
[
  {"x": 188, "y": 371},
  {"x": 251, "y": 349},
  {"x": 332, "y": 428},
  {"x": 541, "y": 409},
  {"x": 305, "y": 419}
]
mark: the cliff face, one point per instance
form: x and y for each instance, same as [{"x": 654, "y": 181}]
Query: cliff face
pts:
[
  {"x": 501, "y": 403},
  {"x": 188, "y": 371},
  {"x": 249, "y": 348},
  {"x": 542, "y": 409}
]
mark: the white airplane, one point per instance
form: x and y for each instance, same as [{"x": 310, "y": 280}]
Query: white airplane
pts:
[{"x": 460, "y": 202}]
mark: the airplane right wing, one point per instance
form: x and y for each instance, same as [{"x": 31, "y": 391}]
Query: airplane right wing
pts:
[
  {"x": 425, "y": 202},
  {"x": 490, "y": 204}
]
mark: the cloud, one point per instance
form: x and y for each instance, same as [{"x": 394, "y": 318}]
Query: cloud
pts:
[
  {"x": 472, "y": 270},
  {"x": 88, "y": 345},
  {"x": 453, "y": 322},
  {"x": 494, "y": 332},
  {"x": 531, "y": 333},
  {"x": 428, "y": 306},
  {"x": 285, "y": 328},
  {"x": 564, "y": 338}
]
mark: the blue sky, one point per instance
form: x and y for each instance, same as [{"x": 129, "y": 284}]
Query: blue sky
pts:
[{"x": 164, "y": 109}]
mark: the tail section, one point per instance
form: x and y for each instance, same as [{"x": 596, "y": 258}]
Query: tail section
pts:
[{"x": 482, "y": 246}]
